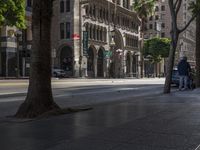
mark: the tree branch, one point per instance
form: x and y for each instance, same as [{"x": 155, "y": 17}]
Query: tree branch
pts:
[
  {"x": 173, "y": 14},
  {"x": 193, "y": 17},
  {"x": 178, "y": 6},
  {"x": 175, "y": 4}
]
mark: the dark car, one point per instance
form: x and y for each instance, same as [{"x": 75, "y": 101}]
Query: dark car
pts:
[
  {"x": 175, "y": 78},
  {"x": 59, "y": 73}
]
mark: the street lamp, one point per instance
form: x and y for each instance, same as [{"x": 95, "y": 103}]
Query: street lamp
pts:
[
  {"x": 112, "y": 42},
  {"x": 112, "y": 45}
]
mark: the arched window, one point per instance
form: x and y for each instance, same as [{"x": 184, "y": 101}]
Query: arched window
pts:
[
  {"x": 105, "y": 34},
  {"x": 90, "y": 32},
  {"x": 62, "y": 6},
  {"x": 67, "y": 5},
  {"x": 29, "y": 3},
  {"x": 94, "y": 33},
  {"x": 87, "y": 10},
  {"x": 94, "y": 11},
  {"x": 97, "y": 34},
  {"x": 101, "y": 35}
]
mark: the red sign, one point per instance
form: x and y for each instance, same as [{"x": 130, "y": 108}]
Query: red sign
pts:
[{"x": 75, "y": 36}]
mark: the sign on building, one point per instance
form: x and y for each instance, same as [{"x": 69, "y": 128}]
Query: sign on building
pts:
[{"x": 107, "y": 54}]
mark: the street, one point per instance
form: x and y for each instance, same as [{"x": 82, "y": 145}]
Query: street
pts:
[
  {"x": 127, "y": 114},
  {"x": 80, "y": 92}
]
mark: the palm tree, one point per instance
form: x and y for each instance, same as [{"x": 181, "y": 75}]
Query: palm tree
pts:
[
  {"x": 144, "y": 8},
  {"x": 39, "y": 98}
]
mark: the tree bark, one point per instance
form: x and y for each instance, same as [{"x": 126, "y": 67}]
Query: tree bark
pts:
[
  {"x": 198, "y": 51},
  {"x": 170, "y": 65},
  {"x": 39, "y": 98},
  {"x": 142, "y": 46}
]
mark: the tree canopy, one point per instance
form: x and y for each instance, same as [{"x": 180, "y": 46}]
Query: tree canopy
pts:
[
  {"x": 174, "y": 7},
  {"x": 144, "y": 8},
  {"x": 156, "y": 49},
  {"x": 12, "y": 13}
]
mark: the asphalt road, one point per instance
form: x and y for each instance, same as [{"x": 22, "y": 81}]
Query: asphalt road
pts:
[{"x": 80, "y": 92}]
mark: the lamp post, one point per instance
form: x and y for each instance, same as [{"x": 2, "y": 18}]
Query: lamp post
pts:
[{"x": 112, "y": 47}]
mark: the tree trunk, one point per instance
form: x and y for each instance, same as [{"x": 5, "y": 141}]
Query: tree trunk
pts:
[
  {"x": 170, "y": 62},
  {"x": 198, "y": 51},
  {"x": 142, "y": 45},
  {"x": 39, "y": 98}
]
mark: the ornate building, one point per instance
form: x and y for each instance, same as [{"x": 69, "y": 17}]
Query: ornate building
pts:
[
  {"x": 160, "y": 25},
  {"x": 15, "y": 48},
  {"x": 96, "y": 38},
  {"x": 89, "y": 39}
]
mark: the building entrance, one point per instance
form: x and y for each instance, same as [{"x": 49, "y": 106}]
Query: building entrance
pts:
[
  {"x": 100, "y": 63},
  {"x": 90, "y": 62},
  {"x": 66, "y": 60}
]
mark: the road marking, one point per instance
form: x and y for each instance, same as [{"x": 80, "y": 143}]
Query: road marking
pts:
[
  {"x": 12, "y": 93},
  {"x": 197, "y": 147}
]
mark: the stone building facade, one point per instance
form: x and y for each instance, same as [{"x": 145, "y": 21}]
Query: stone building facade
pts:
[
  {"x": 15, "y": 48},
  {"x": 96, "y": 38},
  {"x": 160, "y": 25},
  {"x": 89, "y": 39}
]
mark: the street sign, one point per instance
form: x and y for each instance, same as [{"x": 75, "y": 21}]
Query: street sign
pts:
[
  {"x": 85, "y": 43},
  {"x": 75, "y": 36},
  {"x": 107, "y": 54}
]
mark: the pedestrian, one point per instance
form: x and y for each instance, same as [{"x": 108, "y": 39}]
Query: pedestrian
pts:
[{"x": 183, "y": 70}]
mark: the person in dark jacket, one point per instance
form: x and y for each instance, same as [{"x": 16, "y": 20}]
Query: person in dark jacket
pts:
[{"x": 183, "y": 70}]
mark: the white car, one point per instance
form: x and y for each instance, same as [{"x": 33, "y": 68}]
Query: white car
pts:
[{"x": 59, "y": 73}]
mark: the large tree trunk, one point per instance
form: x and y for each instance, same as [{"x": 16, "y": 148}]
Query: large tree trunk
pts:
[
  {"x": 39, "y": 98},
  {"x": 198, "y": 51},
  {"x": 170, "y": 62},
  {"x": 142, "y": 46}
]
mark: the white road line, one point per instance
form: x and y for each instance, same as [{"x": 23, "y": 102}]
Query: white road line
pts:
[
  {"x": 197, "y": 148},
  {"x": 11, "y": 93}
]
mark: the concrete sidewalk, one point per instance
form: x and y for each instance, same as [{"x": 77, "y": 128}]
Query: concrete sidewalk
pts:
[{"x": 154, "y": 122}]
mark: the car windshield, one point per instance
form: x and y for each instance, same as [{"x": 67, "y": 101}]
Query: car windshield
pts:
[{"x": 175, "y": 72}]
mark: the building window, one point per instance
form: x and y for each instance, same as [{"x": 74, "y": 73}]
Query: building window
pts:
[
  {"x": 29, "y": 3},
  {"x": 163, "y": 34},
  {"x": 90, "y": 32},
  {"x": 62, "y": 6},
  {"x": 87, "y": 11},
  {"x": 163, "y": 8},
  {"x": 163, "y": 25},
  {"x": 150, "y": 18},
  {"x": 150, "y": 26},
  {"x": 94, "y": 33},
  {"x": 156, "y": 17},
  {"x": 157, "y": 8},
  {"x": 67, "y": 5},
  {"x": 118, "y": 2},
  {"x": 94, "y": 11},
  {"x": 162, "y": 16},
  {"x": 68, "y": 30},
  {"x": 62, "y": 31}
]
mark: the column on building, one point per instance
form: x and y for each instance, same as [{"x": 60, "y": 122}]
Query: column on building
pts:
[{"x": 76, "y": 31}]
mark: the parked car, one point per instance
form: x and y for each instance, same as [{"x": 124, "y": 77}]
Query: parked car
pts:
[
  {"x": 175, "y": 78},
  {"x": 59, "y": 73}
]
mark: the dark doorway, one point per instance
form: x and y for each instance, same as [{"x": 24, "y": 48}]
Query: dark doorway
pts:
[
  {"x": 128, "y": 64},
  {"x": 134, "y": 65},
  {"x": 90, "y": 62},
  {"x": 66, "y": 60},
  {"x": 100, "y": 63}
]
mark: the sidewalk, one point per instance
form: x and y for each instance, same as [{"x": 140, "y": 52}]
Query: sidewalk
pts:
[{"x": 156, "y": 122}]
